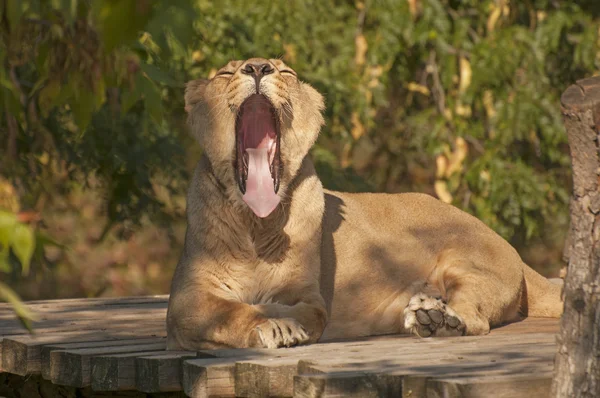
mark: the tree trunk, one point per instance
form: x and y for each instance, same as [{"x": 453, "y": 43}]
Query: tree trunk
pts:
[{"x": 577, "y": 363}]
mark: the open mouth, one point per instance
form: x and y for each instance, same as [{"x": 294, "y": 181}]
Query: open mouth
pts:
[{"x": 257, "y": 154}]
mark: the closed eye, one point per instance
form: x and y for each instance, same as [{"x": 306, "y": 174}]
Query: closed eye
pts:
[
  {"x": 289, "y": 72},
  {"x": 224, "y": 73}
]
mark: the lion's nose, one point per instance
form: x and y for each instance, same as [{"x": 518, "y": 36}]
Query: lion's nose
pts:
[{"x": 258, "y": 71}]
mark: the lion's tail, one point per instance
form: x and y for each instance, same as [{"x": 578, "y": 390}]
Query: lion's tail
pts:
[{"x": 541, "y": 297}]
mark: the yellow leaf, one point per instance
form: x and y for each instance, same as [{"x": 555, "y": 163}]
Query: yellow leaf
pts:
[
  {"x": 462, "y": 110},
  {"x": 488, "y": 103},
  {"x": 441, "y": 190},
  {"x": 458, "y": 156},
  {"x": 465, "y": 75},
  {"x": 197, "y": 56},
  {"x": 361, "y": 45},
  {"x": 441, "y": 163},
  {"x": 541, "y": 15},
  {"x": 8, "y": 197},
  {"x": 290, "y": 53},
  {"x": 358, "y": 130},
  {"x": 493, "y": 18},
  {"x": 418, "y": 88}
]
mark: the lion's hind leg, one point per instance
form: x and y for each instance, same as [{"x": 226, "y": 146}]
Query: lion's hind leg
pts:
[{"x": 475, "y": 297}]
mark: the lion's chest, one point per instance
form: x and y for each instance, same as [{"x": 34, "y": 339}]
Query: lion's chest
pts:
[{"x": 258, "y": 284}]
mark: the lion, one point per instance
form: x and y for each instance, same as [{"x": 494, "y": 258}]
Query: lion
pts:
[{"x": 272, "y": 259}]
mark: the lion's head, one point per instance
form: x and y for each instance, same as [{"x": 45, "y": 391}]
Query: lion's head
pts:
[{"x": 256, "y": 122}]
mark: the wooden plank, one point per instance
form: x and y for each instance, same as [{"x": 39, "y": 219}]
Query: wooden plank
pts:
[
  {"x": 418, "y": 372},
  {"x": 117, "y": 372},
  {"x": 266, "y": 378},
  {"x": 87, "y": 302},
  {"x": 22, "y": 354},
  {"x": 526, "y": 386},
  {"x": 66, "y": 325},
  {"x": 352, "y": 384},
  {"x": 47, "y": 349},
  {"x": 441, "y": 363},
  {"x": 274, "y": 376},
  {"x": 529, "y": 325},
  {"x": 161, "y": 373},
  {"x": 209, "y": 377},
  {"x": 73, "y": 367},
  {"x": 59, "y": 316}
]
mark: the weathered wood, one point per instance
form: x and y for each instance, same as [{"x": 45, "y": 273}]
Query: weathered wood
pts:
[
  {"x": 86, "y": 349},
  {"x": 209, "y": 377},
  {"x": 265, "y": 379},
  {"x": 117, "y": 372},
  {"x": 47, "y": 349},
  {"x": 22, "y": 354},
  {"x": 577, "y": 372},
  {"x": 530, "y": 386},
  {"x": 347, "y": 385},
  {"x": 73, "y": 367},
  {"x": 87, "y": 302},
  {"x": 160, "y": 373}
]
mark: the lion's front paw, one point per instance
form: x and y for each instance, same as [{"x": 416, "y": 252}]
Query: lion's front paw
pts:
[
  {"x": 427, "y": 316},
  {"x": 284, "y": 332}
]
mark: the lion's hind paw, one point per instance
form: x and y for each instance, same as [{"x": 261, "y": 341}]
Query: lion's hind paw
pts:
[{"x": 428, "y": 316}]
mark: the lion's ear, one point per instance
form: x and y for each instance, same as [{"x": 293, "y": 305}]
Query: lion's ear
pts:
[{"x": 194, "y": 92}]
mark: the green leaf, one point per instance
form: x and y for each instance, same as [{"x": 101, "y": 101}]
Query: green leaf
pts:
[
  {"x": 44, "y": 240},
  {"x": 152, "y": 97},
  {"x": 120, "y": 21},
  {"x": 82, "y": 107},
  {"x": 48, "y": 96},
  {"x": 14, "y": 11},
  {"x": 25, "y": 315},
  {"x": 99, "y": 92},
  {"x": 8, "y": 222},
  {"x": 128, "y": 99},
  {"x": 157, "y": 75},
  {"x": 4, "y": 264},
  {"x": 23, "y": 245}
]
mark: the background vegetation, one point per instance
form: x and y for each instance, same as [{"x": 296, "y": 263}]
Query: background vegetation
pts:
[{"x": 459, "y": 99}]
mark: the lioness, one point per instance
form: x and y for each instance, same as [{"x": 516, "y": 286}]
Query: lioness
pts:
[{"x": 271, "y": 259}]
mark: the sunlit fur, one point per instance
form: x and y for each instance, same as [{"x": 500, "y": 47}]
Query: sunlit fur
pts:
[
  {"x": 324, "y": 264},
  {"x": 213, "y": 104}
]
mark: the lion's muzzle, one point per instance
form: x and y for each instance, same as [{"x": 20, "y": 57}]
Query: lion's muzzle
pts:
[{"x": 258, "y": 163}]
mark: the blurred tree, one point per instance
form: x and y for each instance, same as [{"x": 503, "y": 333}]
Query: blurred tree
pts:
[
  {"x": 81, "y": 88},
  {"x": 455, "y": 98}
]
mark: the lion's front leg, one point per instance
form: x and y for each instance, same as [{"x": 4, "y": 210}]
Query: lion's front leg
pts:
[
  {"x": 197, "y": 320},
  {"x": 300, "y": 323}
]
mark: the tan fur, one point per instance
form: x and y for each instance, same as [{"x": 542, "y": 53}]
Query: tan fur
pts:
[{"x": 324, "y": 264}]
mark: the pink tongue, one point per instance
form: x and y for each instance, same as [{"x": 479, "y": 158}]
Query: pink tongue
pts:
[{"x": 260, "y": 193}]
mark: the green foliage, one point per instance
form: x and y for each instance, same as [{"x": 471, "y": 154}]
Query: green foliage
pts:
[
  {"x": 455, "y": 98},
  {"x": 19, "y": 239},
  {"x": 81, "y": 93},
  {"x": 403, "y": 80}
]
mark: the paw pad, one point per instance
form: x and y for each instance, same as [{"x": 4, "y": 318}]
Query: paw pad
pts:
[{"x": 429, "y": 316}]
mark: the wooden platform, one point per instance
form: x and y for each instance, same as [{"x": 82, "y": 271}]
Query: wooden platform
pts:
[{"x": 119, "y": 345}]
